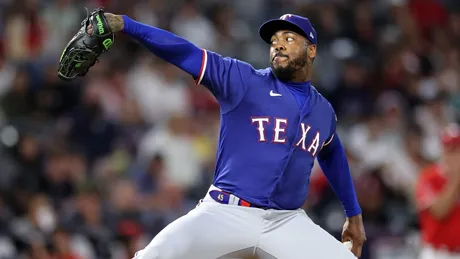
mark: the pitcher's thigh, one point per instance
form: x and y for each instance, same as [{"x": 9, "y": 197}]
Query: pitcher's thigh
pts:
[
  {"x": 207, "y": 232},
  {"x": 297, "y": 237}
]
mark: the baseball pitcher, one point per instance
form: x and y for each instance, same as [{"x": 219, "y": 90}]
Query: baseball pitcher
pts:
[{"x": 274, "y": 124}]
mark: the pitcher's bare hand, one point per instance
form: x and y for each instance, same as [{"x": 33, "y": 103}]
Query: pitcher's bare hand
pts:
[{"x": 115, "y": 22}]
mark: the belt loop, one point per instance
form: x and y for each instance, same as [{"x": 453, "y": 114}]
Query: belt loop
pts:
[{"x": 233, "y": 200}]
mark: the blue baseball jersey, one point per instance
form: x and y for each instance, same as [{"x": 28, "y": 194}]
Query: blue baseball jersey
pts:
[{"x": 270, "y": 132}]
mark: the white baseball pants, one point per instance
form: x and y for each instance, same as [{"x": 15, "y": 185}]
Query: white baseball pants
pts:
[{"x": 217, "y": 231}]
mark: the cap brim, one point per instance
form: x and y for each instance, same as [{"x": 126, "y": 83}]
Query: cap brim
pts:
[{"x": 269, "y": 28}]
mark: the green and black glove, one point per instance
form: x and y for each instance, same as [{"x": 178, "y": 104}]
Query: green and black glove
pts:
[{"x": 83, "y": 51}]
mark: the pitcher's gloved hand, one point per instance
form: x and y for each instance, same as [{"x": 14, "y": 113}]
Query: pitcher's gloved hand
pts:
[{"x": 87, "y": 45}]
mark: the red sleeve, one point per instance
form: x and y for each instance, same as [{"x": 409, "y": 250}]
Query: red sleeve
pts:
[{"x": 426, "y": 190}]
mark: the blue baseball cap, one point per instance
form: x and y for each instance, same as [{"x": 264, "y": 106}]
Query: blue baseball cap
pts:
[{"x": 292, "y": 22}]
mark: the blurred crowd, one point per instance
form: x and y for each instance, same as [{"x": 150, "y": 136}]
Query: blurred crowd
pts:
[{"x": 96, "y": 167}]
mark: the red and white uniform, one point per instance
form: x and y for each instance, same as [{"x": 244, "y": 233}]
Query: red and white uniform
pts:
[{"x": 441, "y": 238}]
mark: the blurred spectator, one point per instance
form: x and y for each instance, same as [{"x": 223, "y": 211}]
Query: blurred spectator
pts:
[
  {"x": 193, "y": 26},
  {"x": 92, "y": 234},
  {"x": 432, "y": 116},
  {"x": 353, "y": 96},
  {"x": 29, "y": 167},
  {"x": 59, "y": 17},
  {"x": 158, "y": 90},
  {"x": 175, "y": 141},
  {"x": 17, "y": 102},
  {"x": 23, "y": 30},
  {"x": 7, "y": 74},
  {"x": 89, "y": 129},
  {"x": 33, "y": 230},
  {"x": 61, "y": 244}
]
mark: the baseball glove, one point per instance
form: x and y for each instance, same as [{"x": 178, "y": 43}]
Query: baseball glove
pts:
[{"x": 84, "y": 49}]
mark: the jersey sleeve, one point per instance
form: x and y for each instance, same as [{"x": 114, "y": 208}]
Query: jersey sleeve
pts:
[
  {"x": 425, "y": 193},
  {"x": 333, "y": 129},
  {"x": 226, "y": 78}
]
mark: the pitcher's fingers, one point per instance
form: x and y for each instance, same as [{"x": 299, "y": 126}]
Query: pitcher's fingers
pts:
[{"x": 356, "y": 249}]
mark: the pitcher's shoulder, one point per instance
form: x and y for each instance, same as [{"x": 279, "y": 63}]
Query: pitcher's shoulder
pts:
[
  {"x": 260, "y": 76},
  {"x": 319, "y": 99}
]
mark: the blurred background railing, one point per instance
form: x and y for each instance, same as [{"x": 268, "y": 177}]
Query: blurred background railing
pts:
[{"x": 96, "y": 167}]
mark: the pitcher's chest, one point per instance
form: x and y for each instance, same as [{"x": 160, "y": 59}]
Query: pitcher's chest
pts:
[{"x": 280, "y": 121}]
